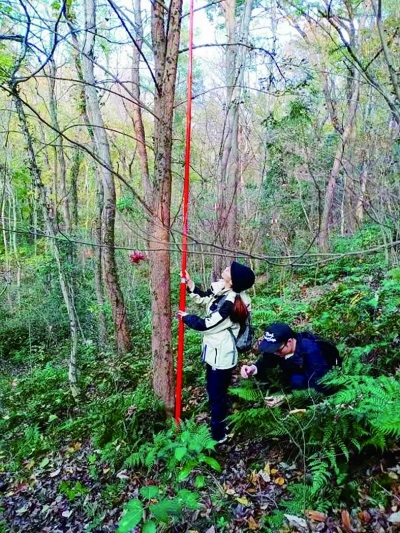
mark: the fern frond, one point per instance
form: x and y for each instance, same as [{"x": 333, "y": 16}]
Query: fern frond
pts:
[
  {"x": 321, "y": 475},
  {"x": 134, "y": 460},
  {"x": 150, "y": 458},
  {"x": 247, "y": 391}
]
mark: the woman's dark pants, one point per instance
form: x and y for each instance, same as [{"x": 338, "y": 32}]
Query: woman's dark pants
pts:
[{"x": 218, "y": 382}]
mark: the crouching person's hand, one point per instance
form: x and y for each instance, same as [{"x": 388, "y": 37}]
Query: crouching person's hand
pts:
[{"x": 248, "y": 370}]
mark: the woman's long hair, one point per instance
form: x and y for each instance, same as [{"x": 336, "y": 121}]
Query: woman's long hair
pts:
[{"x": 240, "y": 311}]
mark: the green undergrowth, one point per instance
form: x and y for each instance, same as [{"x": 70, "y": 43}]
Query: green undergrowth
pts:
[
  {"x": 116, "y": 410},
  {"x": 354, "y": 301}
]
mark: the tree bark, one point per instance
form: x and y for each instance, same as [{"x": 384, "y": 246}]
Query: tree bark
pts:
[
  {"x": 115, "y": 296},
  {"x": 227, "y": 230},
  {"x": 59, "y": 147},
  {"x": 98, "y": 269},
  {"x": 137, "y": 118},
  {"x": 165, "y": 40},
  {"x": 77, "y": 160}
]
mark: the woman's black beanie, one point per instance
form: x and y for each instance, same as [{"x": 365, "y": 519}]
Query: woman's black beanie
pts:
[{"x": 242, "y": 277}]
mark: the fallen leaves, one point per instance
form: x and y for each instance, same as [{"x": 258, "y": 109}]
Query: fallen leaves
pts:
[
  {"x": 252, "y": 524},
  {"x": 296, "y": 521},
  {"x": 364, "y": 516},
  {"x": 251, "y": 488},
  {"x": 346, "y": 521},
  {"x": 315, "y": 515},
  {"x": 243, "y": 501}
]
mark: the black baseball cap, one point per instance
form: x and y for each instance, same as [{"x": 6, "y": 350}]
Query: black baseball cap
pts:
[{"x": 274, "y": 336}]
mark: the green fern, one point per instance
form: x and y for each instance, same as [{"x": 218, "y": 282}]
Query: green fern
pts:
[
  {"x": 320, "y": 473},
  {"x": 363, "y": 412},
  {"x": 176, "y": 452},
  {"x": 134, "y": 460},
  {"x": 247, "y": 391},
  {"x": 302, "y": 499}
]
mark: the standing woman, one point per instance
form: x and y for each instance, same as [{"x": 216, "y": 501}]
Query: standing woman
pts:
[{"x": 227, "y": 307}]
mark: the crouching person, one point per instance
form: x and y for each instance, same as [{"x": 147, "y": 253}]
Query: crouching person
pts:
[{"x": 300, "y": 359}]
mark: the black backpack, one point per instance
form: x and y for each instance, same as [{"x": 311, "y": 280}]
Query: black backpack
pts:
[
  {"x": 245, "y": 339},
  {"x": 328, "y": 349}
]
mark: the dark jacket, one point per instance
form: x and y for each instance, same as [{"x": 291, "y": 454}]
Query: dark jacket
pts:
[{"x": 301, "y": 370}]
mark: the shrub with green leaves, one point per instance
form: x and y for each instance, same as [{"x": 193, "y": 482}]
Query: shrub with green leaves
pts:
[
  {"x": 152, "y": 509},
  {"x": 177, "y": 452},
  {"x": 177, "y": 458}
]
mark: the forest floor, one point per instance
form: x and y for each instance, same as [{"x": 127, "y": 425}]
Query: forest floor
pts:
[{"x": 69, "y": 491}]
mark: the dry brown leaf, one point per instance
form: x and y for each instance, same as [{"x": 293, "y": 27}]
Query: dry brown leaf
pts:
[
  {"x": 315, "y": 515},
  {"x": 364, "y": 516},
  {"x": 230, "y": 492},
  {"x": 252, "y": 524},
  {"x": 75, "y": 446},
  {"x": 55, "y": 473},
  {"x": 346, "y": 521},
  {"x": 273, "y": 471},
  {"x": 243, "y": 501}
]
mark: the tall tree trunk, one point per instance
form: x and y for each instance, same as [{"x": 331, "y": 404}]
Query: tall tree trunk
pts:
[
  {"x": 66, "y": 286},
  {"x": 77, "y": 160},
  {"x": 98, "y": 274},
  {"x": 227, "y": 230},
  {"x": 122, "y": 335},
  {"x": 59, "y": 147},
  {"x": 165, "y": 40},
  {"x": 338, "y": 162},
  {"x": 137, "y": 118},
  {"x": 98, "y": 269},
  {"x": 361, "y": 195}
]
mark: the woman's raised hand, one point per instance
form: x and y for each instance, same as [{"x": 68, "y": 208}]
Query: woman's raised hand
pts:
[{"x": 189, "y": 282}]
